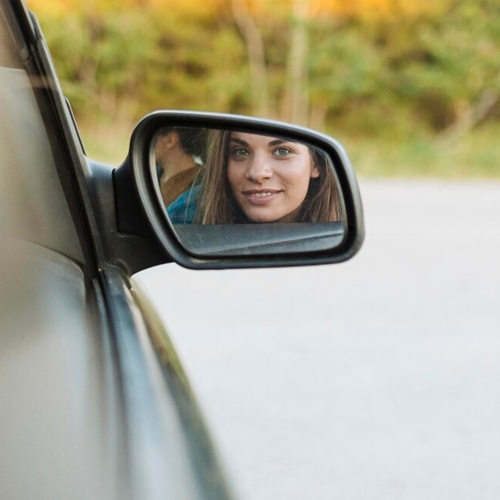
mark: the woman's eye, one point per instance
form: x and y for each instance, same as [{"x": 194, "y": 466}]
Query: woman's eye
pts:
[
  {"x": 239, "y": 153},
  {"x": 282, "y": 152}
]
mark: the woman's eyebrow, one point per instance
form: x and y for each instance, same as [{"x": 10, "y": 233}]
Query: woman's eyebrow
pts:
[
  {"x": 274, "y": 142},
  {"x": 241, "y": 142},
  {"x": 279, "y": 142}
]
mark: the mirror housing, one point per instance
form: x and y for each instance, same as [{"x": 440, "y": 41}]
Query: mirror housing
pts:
[{"x": 234, "y": 245}]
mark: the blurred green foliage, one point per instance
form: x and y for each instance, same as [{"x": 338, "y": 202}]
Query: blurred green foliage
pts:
[{"x": 409, "y": 94}]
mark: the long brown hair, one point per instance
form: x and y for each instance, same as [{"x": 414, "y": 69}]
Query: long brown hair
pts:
[{"x": 321, "y": 203}]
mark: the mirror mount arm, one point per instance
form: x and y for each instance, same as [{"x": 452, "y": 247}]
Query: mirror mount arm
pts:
[{"x": 129, "y": 242}]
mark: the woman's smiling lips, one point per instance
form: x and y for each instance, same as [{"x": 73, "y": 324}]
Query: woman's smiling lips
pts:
[{"x": 261, "y": 196}]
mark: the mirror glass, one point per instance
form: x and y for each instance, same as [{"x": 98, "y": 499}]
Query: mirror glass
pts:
[{"x": 230, "y": 192}]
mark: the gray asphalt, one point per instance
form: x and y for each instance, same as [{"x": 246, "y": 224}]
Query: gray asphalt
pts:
[{"x": 378, "y": 378}]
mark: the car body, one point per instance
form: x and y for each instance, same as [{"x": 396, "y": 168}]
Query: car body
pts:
[
  {"x": 87, "y": 409},
  {"x": 94, "y": 401}
]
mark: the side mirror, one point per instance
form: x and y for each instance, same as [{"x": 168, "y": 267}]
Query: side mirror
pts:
[{"x": 226, "y": 191}]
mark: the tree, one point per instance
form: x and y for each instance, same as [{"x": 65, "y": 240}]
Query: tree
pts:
[{"x": 254, "y": 42}]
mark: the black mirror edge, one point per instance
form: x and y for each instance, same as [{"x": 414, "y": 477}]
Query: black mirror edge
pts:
[{"x": 136, "y": 170}]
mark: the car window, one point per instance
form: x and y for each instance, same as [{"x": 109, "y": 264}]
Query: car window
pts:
[{"x": 31, "y": 190}]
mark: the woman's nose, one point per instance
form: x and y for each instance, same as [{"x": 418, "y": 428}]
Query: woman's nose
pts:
[{"x": 259, "y": 170}]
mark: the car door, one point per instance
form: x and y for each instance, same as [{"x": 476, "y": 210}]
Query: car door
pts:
[{"x": 89, "y": 407}]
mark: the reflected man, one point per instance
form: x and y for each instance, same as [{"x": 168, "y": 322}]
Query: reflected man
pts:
[{"x": 179, "y": 155}]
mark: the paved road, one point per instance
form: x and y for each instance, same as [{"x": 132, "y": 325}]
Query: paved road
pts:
[{"x": 374, "y": 379}]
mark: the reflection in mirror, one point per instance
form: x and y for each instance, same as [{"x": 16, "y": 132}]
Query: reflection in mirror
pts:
[{"x": 231, "y": 192}]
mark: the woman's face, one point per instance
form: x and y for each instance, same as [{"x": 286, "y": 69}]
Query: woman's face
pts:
[{"x": 269, "y": 177}]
